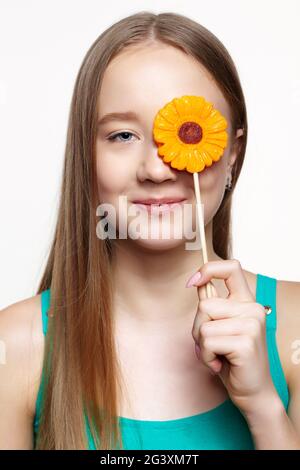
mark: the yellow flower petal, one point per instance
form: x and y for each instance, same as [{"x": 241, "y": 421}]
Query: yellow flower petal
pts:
[
  {"x": 163, "y": 124},
  {"x": 205, "y": 112},
  {"x": 207, "y": 158},
  {"x": 180, "y": 105},
  {"x": 216, "y": 135},
  {"x": 195, "y": 163},
  {"x": 163, "y": 136},
  {"x": 169, "y": 114},
  {"x": 172, "y": 153}
]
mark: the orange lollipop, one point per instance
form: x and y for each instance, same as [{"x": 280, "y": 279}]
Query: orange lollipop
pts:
[{"x": 191, "y": 135}]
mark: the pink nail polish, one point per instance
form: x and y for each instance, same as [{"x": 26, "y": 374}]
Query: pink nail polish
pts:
[{"x": 195, "y": 278}]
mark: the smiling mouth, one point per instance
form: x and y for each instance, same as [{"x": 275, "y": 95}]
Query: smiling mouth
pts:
[{"x": 160, "y": 207}]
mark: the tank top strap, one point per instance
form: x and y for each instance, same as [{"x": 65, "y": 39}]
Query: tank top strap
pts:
[
  {"x": 45, "y": 303},
  {"x": 266, "y": 288},
  {"x": 45, "y": 300},
  {"x": 266, "y": 295}
]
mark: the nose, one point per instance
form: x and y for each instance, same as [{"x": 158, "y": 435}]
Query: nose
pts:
[{"x": 152, "y": 167}]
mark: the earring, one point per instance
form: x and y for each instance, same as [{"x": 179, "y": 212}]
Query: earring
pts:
[{"x": 229, "y": 182}]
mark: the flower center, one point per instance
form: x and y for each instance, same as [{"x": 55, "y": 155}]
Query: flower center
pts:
[{"x": 190, "y": 132}]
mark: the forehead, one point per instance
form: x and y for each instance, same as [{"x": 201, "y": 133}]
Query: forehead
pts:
[{"x": 144, "y": 79}]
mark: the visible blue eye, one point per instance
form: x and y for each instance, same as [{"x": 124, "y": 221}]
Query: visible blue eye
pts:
[{"x": 113, "y": 138}]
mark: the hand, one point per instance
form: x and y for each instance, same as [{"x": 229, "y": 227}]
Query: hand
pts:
[{"x": 231, "y": 334}]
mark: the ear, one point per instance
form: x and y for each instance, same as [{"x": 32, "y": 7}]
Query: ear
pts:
[{"x": 235, "y": 147}]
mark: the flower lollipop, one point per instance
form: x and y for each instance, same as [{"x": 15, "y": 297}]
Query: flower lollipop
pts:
[{"x": 191, "y": 135}]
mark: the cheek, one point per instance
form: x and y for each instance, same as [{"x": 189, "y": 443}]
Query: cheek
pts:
[
  {"x": 112, "y": 177},
  {"x": 211, "y": 182}
]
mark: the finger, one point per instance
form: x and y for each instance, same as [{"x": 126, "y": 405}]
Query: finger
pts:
[
  {"x": 232, "y": 347},
  {"x": 213, "y": 361},
  {"x": 231, "y": 326},
  {"x": 210, "y": 359},
  {"x": 232, "y": 273},
  {"x": 217, "y": 308},
  {"x": 203, "y": 316}
]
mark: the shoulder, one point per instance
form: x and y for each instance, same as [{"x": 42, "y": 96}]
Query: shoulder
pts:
[
  {"x": 288, "y": 335},
  {"x": 22, "y": 341}
]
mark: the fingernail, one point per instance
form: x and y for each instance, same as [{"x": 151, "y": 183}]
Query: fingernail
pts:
[
  {"x": 195, "y": 278},
  {"x": 197, "y": 351}
]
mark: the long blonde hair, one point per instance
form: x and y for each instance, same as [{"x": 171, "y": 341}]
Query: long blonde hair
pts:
[{"x": 80, "y": 361}]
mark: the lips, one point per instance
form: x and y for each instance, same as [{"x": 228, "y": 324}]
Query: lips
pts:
[
  {"x": 160, "y": 206},
  {"x": 160, "y": 201}
]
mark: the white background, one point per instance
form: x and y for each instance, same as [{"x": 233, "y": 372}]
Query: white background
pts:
[{"x": 42, "y": 45}]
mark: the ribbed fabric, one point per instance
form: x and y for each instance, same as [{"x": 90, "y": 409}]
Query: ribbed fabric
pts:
[{"x": 222, "y": 427}]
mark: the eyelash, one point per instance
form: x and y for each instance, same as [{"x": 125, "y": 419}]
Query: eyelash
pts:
[{"x": 113, "y": 137}]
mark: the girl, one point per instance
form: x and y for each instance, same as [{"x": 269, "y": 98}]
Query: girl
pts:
[{"x": 105, "y": 356}]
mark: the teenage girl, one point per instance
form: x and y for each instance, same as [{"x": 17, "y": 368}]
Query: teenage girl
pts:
[{"x": 103, "y": 356}]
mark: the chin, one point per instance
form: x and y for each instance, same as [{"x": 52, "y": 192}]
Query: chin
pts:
[{"x": 158, "y": 245}]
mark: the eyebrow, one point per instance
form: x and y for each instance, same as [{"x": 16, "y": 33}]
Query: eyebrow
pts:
[{"x": 124, "y": 116}]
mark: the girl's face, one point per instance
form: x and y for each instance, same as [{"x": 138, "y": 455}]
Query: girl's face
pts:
[{"x": 141, "y": 80}]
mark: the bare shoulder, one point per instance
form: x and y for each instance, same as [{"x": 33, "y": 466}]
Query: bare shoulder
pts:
[
  {"x": 288, "y": 334},
  {"x": 22, "y": 346}
]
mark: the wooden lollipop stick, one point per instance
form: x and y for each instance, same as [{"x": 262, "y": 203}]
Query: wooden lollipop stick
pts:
[{"x": 201, "y": 227}]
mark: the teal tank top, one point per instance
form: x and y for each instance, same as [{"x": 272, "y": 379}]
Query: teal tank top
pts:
[{"x": 221, "y": 428}]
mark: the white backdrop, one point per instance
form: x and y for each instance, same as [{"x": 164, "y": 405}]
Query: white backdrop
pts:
[{"x": 42, "y": 45}]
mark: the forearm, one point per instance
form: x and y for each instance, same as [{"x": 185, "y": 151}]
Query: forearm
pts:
[{"x": 271, "y": 427}]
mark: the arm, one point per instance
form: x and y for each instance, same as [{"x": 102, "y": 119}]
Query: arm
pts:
[
  {"x": 272, "y": 428},
  {"x": 17, "y": 363}
]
